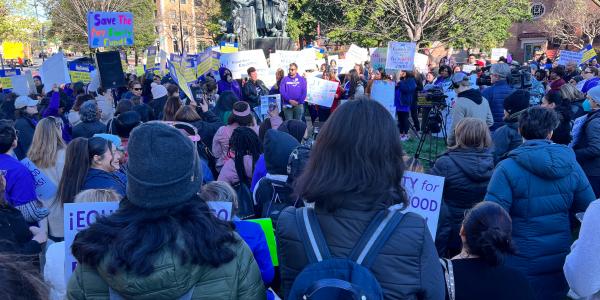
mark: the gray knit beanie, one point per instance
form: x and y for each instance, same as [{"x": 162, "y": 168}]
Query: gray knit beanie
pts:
[{"x": 163, "y": 167}]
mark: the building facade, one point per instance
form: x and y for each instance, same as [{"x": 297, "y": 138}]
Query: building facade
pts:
[{"x": 181, "y": 25}]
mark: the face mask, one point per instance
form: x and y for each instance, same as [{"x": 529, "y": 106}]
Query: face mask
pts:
[{"x": 586, "y": 105}]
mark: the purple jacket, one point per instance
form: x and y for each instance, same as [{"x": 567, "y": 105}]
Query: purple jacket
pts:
[
  {"x": 52, "y": 111},
  {"x": 223, "y": 85},
  {"x": 293, "y": 89}
]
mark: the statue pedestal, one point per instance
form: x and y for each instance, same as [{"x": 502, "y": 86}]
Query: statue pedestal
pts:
[{"x": 272, "y": 43}]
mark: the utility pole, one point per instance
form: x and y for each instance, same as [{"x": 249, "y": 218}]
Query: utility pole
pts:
[
  {"x": 180, "y": 29},
  {"x": 41, "y": 43}
]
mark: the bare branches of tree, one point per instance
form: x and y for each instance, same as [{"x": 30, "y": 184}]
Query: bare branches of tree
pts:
[{"x": 573, "y": 23}]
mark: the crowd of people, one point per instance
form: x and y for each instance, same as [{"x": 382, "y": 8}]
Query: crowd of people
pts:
[{"x": 522, "y": 163}]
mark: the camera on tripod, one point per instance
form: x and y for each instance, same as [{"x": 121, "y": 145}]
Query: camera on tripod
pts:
[
  {"x": 485, "y": 78},
  {"x": 433, "y": 96},
  {"x": 520, "y": 77}
]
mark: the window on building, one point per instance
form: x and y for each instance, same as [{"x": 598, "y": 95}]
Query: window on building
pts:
[
  {"x": 174, "y": 28},
  {"x": 175, "y": 46},
  {"x": 186, "y": 31},
  {"x": 183, "y": 1},
  {"x": 184, "y": 14},
  {"x": 155, "y": 13},
  {"x": 156, "y": 29},
  {"x": 537, "y": 10},
  {"x": 198, "y": 2},
  {"x": 173, "y": 14},
  {"x": 187, "y": 47}
]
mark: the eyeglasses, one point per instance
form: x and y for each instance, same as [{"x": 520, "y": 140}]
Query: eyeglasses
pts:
[
  {"x": 137, "y": 89},
  {"x": 587, "y": 72}
]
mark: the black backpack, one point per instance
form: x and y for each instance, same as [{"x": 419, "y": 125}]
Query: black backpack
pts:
[{"x": 272, "y": 195}]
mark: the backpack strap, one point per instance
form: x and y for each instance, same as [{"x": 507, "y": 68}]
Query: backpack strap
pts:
[
  {"x": 375, "y": 236},
  {"x": 449, "y": 277},
  {"x": 311, "y": 235}
]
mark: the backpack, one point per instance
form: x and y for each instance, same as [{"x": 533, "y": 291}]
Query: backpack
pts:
[
  {"x": 272, "y": 195},
  {"x": 245, "y": 202},
  {"x": 341, "y": 278},
  {"x": 297, "y": 162}
]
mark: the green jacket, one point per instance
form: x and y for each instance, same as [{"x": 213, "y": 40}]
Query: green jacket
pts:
[{"x": 238, "y": 279}]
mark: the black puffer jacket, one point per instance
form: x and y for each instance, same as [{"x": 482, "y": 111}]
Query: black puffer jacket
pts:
[
  {"x": 407, "y": 267},
  {"x": 207, "y": 127},
  {"x": 26, "y": 128},
  {"x": 467, "y": 173},
  {"x": 587, "y": 148},
  {"x": 506, "y": 138},
  {"x": 15, "y": 236}
]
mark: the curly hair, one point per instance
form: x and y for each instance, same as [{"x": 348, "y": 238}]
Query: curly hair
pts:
[{"x": 89, "y": 111}]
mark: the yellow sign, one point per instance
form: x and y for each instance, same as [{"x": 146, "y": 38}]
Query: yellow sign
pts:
[
  {"x": 6, "y": 83},
  {"x": 13, "y": 50},
  {"x": 229, "y": 49},
  {"x": 588, "y": 55},
  {"x": 77, "y": 76},
  {"x": 189, "y": 74}
]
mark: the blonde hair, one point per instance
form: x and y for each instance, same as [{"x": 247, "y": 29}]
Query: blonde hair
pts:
[
  {"x": 97, "y": 195},
  {"x": 47, "y": 141},
  {"x": 220, "y": 191},
  {"x": 472, "y": 133},
  {"x": 570, "y": 93}
]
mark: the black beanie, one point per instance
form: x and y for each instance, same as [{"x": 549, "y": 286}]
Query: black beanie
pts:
[
  {"x": 163, "y": 168},
  {"x": 294, "y": 128},
  {"x": 517, "y": 101}
]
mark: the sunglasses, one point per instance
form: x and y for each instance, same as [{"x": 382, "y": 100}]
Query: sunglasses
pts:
[
  {"x": 587, "y": 72},
  {"x": 137, "y": 89}
]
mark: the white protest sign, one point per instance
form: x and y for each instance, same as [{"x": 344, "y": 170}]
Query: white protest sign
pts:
[
  {"x": 378, "y": 58},
  {"x": 422, "y": 63},
  {"x": 268, "y": 77},
  {"x": 357, "y": 55},
  {"x": 383, "y": 91},
  {"x": 44, "y": 187},
  {"x": 275, "y": 60},
  {"x": 54, "y": 71},
  {"x": 569, "y": 56},
  {"x": 424, "y": 193},
  {"x": 321, "y": 91},
  {"x": 77, "y": 217},
  {"x": 20, "y": 85},
  {"x": 221, "y": 209},
  {"x": 499, "y": 52},
  {"x": 239, "y": 62},
  {"x": 469, "y": 68},
  {"x": 344, "y": 66},
  {"x": 401, "y": 56}
]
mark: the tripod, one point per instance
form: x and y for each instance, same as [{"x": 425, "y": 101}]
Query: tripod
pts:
[{"x": 435, "y": 115}]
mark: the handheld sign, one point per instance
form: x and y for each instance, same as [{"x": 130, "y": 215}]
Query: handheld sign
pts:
[
  {"x": 77, "y": 217},
  {"x": 424, "y": 193},
  {"x": 267, "y": 227},
  {"x": 150, "y": 57},
  {"x": 5, "y": 78},
  {"x": 110, "y": 29},
  {"x": 378, "y": 58},
  {"x": 588, "y": 54},
  {"x": 54, "y": 71},
  {"x": 401, "y": 56},
  {"x": 44, "y": 187},
  {"x": 221, "y": 209},
  {"x": 239, "y": 62},
  {"x": 320, "y": 91},
  {"x": 357, "y": 55},
  {"x": 80, "y": 72},
  {"x": 178, "y": 77},
  {"x": 499, "y": 52},
  {"x": 569, "y": 56},
  {"x": 383, "y": 91}
]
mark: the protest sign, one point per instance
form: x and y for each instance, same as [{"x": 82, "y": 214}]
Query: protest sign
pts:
[
  {"x": 267, "y": 227},
  {"x": 221, "y": 209},
  {"x": 239, "y": 62},
  {"x": 13, "y": 50},
  {"x": 588, "y": 54},
  {"x": 54, "y": 71},
  {"x": 422, "y": 63},
  {"x": 378, "y": 58},
  {"x": 320, "y": 91},
  {"x": 23, "y": 85},
  {"x": 77, "y": 217},
  {"x": 424, "y": 193},
  {"x": 268, "y": 104},
  {"x": 383, "y": 91},
  {"x": 5, "y": 76},
  {"x": 189, "y": 68},
  {"x": 469, "y": 68},
  {"x": 178, "y": 77},
  {"x": 80, "y": 72},
  {"x": 109, "y": 29},
  {"x": 283, "y": 59},
  {"x": 150, "y": 57},
  {"x": 357, "y": 55},
  {"x": 401, "y": 56},
  {"x": 228, "y": 47},
  {"x": 205, "y": 63},
  {"x": 499, "y": 52},
  {"x": 44, "y": 187},
  {"x": 307, "y": 60},
  {"x": 569, "y": 56},
  {"x": 162, "y": 62}
]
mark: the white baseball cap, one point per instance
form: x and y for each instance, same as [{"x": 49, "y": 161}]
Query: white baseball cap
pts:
[{"x": 24, "y": 101}]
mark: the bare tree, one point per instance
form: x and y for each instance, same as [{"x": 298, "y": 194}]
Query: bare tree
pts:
[{"x": 573, "y": 23}]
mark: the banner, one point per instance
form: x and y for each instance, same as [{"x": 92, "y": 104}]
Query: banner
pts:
[
  {"x": 401, "y": 56},
  {"x": 239, "y": 62},
  {"x": 569, "y": 56},
  {"x": 221, "y": 209},
  {"x": 44, "y": 187},
  {"x": 150, "y": 57},
  {"x": 109, "y": 29},
  {"x": 177, "y": 75},
  {"x": 378, "y": 58},
  {"x": 499, "y": 52},
  {"x": 424, "y": 193},
  {"x": 383, "y": 91},
  {"x": 5, "y": 76},
  {"x": 267, "y": 227},
  {"x": 588, "y": 54},
  {"x": 54, "y": 71},
  {"x": 80, "y": 72},
  {"x": 357, "y": 55},
  {"x": 77, "y": 217},
  {"x": 321, "y": 91}
]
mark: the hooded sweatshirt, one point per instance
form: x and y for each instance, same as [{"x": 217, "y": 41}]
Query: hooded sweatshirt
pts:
[
  {"x": 278, "y": 147},
  {"x": 223, "y": 85},
  {"x": 469, "y": 104},
  {"x": 293, "y": 88},
  {"x": 540, "y": 184}
]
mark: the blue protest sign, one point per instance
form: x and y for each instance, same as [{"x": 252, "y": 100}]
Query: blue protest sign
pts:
[
  {"x": 110, "y": 29},
  {"x": 383, "y": 91},
  {"x": 569, "y": 56},
  {"x": 44, "y": 187}
]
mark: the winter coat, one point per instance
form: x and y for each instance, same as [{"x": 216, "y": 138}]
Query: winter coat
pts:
[
  {"x": 405, "y": 94},
  {"x": 26, "y": 127},
  {"x": 145, "y": 111},
  {"x": 293, "y": 89},
  {"x": 254, "y": 236},
  {"x": 495, "y": 95},
  {"x": 229, "y": 173},
  {"x": 253, "y": 90},
  {"x": 223, "y": 85},
  {"x": 467, "y": 173},
  {"x": 469, "y": 104},
  {"x": 587, "y": 148},
  {"x": 158, "y": 106},
  {"x": 88, "y": 129},
  {"x": 540, "y": 184},
  {"x": 106, "y": 107},
  {"x": 99, "y": 179},
  {"x": 238, "y": 279},
  {"x": 506, "y": 138},
  {"x": 15, "y": 236},
  {"x": 407, "y": 266},
  {"x": 207, "y": 127},
  {"x": 220, "y": 144},
  {"x": 562, "y": 133},
  {"x": 54, "y": 223}
]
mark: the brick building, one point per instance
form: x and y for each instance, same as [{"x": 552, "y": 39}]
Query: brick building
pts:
[{"x": 181, "y": 23}]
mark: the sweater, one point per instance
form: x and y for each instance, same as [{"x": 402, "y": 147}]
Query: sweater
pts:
[
  {"x": 469, "y": 104},
  {"x": 582, "y": 264},
  {"x": 293, "y": 88}
]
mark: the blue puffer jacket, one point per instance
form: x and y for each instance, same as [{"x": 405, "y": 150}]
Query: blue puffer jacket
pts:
[
  {"x": 495, "y": 95},
  {"x": 539, "y": 184},
  {"x": 404, "y": 94}
]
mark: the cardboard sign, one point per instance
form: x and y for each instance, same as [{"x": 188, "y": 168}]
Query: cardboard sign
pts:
[
  {"x": 569, "y": 56},
  {"x": 321, "y": 91},
  {"x": 469, "y": 68},
  {"x": 499, "y": 52},
  {"x": 44, "y": 187},
  {"x": 401, "y": 56},
  {"x": 422, "y": 63},
  {"x": 378, "y": 58},
  {"x": 357, "y": 55},
  {"x": 21, "y": 84},
  {"x": 267, "y": 227},
  {"x": 109, "y": 29},
  {"x": 221, "y": 209},
  {"x": 5, "y": 76},
  {"x": 268, "y": 104},
  {"x": 54, "y": 71},
  {"x": 424, "y": 193},
  {"x": 588, "y": 54},
  {"x": 383, "y": 91},
  {"x": 77, "y": 217},
  {"x": 239, "y": 62}
]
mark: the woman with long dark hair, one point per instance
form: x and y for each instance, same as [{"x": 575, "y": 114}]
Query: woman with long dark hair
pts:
[
  {"x": 562, "y": 133},
  {"x": 171, "y": 107},
  {"x": 244, "y": 149},
  {"x": 279, "y": 74},
  {"x": 354, "y": 86},
  {"x": 163, "y": 241},
  {"x": 241, "y": 116},
  {"x": 366, "y": 183}
]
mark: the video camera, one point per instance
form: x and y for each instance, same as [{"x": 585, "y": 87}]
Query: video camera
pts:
[
  {"x": 435, "y": 95},
  {"x": 520, "y": 77},
  {"x": 485, "y": 78}
]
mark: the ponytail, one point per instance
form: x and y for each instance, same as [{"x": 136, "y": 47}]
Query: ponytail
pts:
[{"x": 493, "y": 244}]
